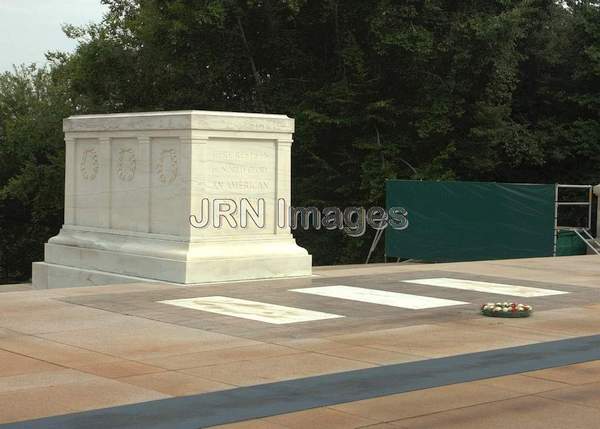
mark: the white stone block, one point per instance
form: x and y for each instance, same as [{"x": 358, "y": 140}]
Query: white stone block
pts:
[{"x": 133, "y": 180}]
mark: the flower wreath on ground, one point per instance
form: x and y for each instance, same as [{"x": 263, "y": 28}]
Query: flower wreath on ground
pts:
[{"x": 506, "y": 309}]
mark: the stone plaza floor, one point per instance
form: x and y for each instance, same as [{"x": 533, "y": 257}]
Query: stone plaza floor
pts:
[{"x": 377, "y": 346}]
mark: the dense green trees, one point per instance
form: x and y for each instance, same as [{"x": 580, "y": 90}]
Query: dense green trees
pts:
[
  {"x": 32, "y": 105},
  {"x": 502, "y": 90}
]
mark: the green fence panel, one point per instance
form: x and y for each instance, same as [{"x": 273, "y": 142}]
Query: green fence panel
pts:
[
  {"x": 568, "y": 244},
  {"x": 466, "y": 221}
]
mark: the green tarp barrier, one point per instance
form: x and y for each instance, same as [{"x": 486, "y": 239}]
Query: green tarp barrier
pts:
[
  {"x": 466, "y": 221},
  {"x": 569, "y": 244}
]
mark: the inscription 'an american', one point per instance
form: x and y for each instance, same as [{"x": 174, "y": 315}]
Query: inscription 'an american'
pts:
[
  {"x": 241, "y": 171},
  {"x": 240, "y": 185}
]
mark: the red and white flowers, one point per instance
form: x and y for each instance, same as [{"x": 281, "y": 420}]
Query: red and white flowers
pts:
[{"x": 506, "y": 309}]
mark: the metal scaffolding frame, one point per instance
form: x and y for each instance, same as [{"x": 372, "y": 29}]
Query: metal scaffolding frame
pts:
[{"x": 582, "y": 232}]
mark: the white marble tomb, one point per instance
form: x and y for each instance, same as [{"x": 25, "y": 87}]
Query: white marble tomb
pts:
[{"x": 133, "y": 180}]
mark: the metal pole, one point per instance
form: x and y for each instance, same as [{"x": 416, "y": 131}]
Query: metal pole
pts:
[
  {"x": 589, "y": 222},
  {"x": 555, "y": 218},
  {"x": 376, "y": 239}
]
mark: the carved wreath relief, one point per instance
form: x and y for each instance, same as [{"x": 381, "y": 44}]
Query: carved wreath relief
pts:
[
  {"x": 89, "y": 164},
  {"x": 166, "y": 168},
  {"x": 126, "y": 165}
]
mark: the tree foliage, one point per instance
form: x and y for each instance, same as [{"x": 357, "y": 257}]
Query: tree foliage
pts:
[
  {"x": 32, "y": 104},
  {"x": 502, "y": 90}
]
